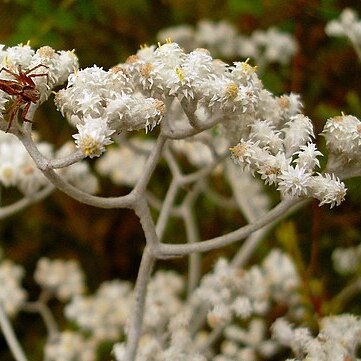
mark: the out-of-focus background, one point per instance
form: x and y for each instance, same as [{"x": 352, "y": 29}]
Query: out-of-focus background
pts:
[{"x": 325, "y": 71}]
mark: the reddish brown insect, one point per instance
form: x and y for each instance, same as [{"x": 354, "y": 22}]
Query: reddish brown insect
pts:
[{"x": 24, "y": 88}]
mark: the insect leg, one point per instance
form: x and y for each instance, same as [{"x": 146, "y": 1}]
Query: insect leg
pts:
[
  {"x": 12, "y": 110},
  {"x": 17, "y": 76},
  {"x": 35, "y": 67},
  {"x": 25, "y": 112}
]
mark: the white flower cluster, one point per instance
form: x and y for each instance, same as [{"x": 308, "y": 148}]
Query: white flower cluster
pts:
[
  {"x": 247, "y": 344},
  {"x": 61, "y": 278},
  {"x": 347, "y": 261},
  {"x": 104, "y": 314},
  {"x": 163, "y": 300},
  {"x": 181, "y": 345},
  {"x": 338, "y": 338},
  {"x": 283, "y": 154},
  {"x": 343, "y": 139},
  {"x": 202, "y": 149},
  {"x": 17, "y": 169},
  {"x": 12, "y": 295},
  {"x": 69, "y": 346},
  {"x": 229, "y": 292},
  {"x": 101, "y": 103},
  {"x": 167, "y": 72},
  {"x": 222, "y": 39},
  {"x": 125, "y": 164},
  {"x": 348, "y": 25},
  {"x": 56, "y": 65}
]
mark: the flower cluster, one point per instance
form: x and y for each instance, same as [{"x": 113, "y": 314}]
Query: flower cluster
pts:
[
  {"x": 12, "y": 295},
  {"x": 247, "y": 343},
  {"x": 104, "y": 314},
  {"x": 202, "y": 82},
  {"x": 343, "y": 140},
  {"x": 283, "y": 154},
  {"x": 55, "y": 65},
  {"x": 338, "y": 338},
  {"x": 222, "y": 39},
  {"x": 348, "y": 25},
  {"x": 202, "y": 149},
  {"x": 163, "y": 301},
  {"x": 61, "y": 278},
  {"x": 229, "y": 292},
  {"x": 101, "y": 103},
  {"x": 347, "y": 260},
  {"x": 181, "y": 345},
  {"x": 69, "y": 346},
  {"x": 124, "y": 164},
  {"x": 17, "y": 169}
]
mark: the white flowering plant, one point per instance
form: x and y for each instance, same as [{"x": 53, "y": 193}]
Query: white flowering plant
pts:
[{"x": 203, "y": 121}]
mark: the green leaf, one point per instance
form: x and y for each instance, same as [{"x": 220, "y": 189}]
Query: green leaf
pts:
[
  {"x": 354, "y": 102},
  {"x": 64, "y": 20},
  {"x": 237, "y": 7},
  {"x": 42, "y": 7}
]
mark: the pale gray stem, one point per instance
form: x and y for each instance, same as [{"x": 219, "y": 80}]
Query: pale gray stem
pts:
[
  {"x": 60, "y": 183},
  {"x": 25, "y": 202},
  {"x": 150, "y": 165},
  {"x": 10, "y": 336},
  {"x": 46, "y": 315},
  {"x": 241, "y": 233},
  {"x": 166, "y": 208},
  {"x": 136, "y": 317},
  {"x": 194, "y": 266}
]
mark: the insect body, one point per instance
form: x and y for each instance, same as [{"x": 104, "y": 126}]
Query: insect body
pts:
[{"x": 23, "y": 88}]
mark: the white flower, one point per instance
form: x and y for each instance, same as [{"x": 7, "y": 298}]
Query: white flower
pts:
[
  {"x": 62, "y": 278},
  {"x": 54, "y": 66},
  {"x": 181, "y": 34},
  {"x": 297, "y": 131},
  {"x": 343, "y": 136},
  {"x": 271, "y": 169},
  {"x": 348, "y": 25},
  {"x": 93, "y": 136},
  {"x": 31, "y": 179},
  {"x": 344, "y": 329},
  {"x": 274, "y": 46},
  {"x": 328, "y": 189},
  {"x": 219, "y": 37},
  {"x": 264, "y": 132},
  {"x": 104, "y": 314},
  {"x": 307, "y": 156},
  {"x": 281, "y": 275},
  {"x": 124, "y": 164},
  {"x": 219, "y": 315},
  {"x": 69, "y": 346},
  {"x": 163, "y": 300},
  {"x": 17, "y": 168},
  {"x": 249, "y": 155},
  {"x": 12, "y": 296},
  {"x": 346, "y": 260},
  {"x": 294, "y": 182},
  {"x": 282, "y": 331}
]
